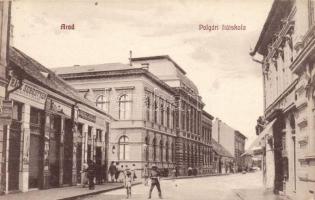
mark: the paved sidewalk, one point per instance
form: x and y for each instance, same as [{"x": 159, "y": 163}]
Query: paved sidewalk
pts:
[
  {"x": 257, "y": 194},
  {"x": 62, "y": 193}
]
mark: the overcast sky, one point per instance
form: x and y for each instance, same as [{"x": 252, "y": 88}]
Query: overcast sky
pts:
[{"x": 218, "y": 62}]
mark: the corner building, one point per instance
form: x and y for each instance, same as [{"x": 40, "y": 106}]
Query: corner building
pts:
[
  {"x": 53, "y": 130},
  {"x": 143, "y": 105}
]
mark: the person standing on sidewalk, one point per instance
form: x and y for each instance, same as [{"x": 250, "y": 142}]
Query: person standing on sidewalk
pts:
[
  {"x": 85, "y": 179},
  {"x": 133, "y": 172},
  {"x": 91, "y": 174},
  {"x": 112, "y": 172},
  {"x": 128, "y": 183},
  {"x": 146, "y": 174},
  {"x": 155, "y": 181}
]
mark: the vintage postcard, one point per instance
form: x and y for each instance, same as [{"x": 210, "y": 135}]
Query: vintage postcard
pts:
[{"x": 170, "y": 99}]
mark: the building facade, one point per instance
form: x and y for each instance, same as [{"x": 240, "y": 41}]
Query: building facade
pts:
[
  {"x": 224, "y": 135},
  {"x": 4, "y": 44},
  {"x": 143, "y": 105},
  {"x": 53, "y": 130},
  {"x": 164, "y": 124},
  {"x": 239, "y": 146},
  {"x": 188, "y": 113},
  {"x": 207, "y": 153},
  {"x": 287, "y": 46}
]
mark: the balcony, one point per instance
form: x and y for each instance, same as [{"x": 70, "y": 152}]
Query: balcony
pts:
[{"x": 306, "y": 49}]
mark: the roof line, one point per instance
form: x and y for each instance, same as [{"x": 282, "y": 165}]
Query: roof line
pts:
[{"x": 157, "y": 58}]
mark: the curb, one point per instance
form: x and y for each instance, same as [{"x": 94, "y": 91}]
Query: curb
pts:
[
  {"x": 96, "y": 192},
  {"x": 198, "y": 176}
]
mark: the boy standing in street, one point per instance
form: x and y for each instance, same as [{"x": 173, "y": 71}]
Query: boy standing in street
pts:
[{"x": 155, "y": 181}]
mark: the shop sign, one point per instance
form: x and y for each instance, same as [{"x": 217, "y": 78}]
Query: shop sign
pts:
[
  {"x": 87, "y": 116},
  {"x": 58, "y": 107},
  {"x": 28, "y": 91},
  {"x": 6, "y": 110}
]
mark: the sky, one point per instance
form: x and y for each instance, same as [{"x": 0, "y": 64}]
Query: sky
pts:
[{"x": 217, "y": 61}]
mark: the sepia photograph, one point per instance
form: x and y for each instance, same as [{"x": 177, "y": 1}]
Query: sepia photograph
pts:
[{"x": 168, "y": 99}]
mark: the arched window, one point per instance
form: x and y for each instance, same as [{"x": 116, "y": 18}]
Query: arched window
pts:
[
  {"x": 102, "y": 102},
  {"x": 124, "y": 107},
  {"x": 123, "y": 148},
  {"x": 161, "y": 150},
  {"x": 154, "y": 149}
]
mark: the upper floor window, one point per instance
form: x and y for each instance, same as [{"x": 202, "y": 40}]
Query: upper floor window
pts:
[
  {"x": 154, "y": 149},
  {"x": 123, "y": 145},
  {"x": 124, "y": 105},
  {"x": 168, "y": 116},
  {"x": 98, "y": 135},
  {"x": 161, "y": 150},
  {"x": 102, "y": 102},
  {"x": 155, "y": 111},
  {"x": 148, "y": 104},
  {"x": 162, "y": 114}
]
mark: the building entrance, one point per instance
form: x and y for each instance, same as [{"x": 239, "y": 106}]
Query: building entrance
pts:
[
  {"x": 68, "y": 153},
  {"x": 14, "y": 147},
  {"x": 54, "y": 150},
  {"x": 35, "y": 162}
]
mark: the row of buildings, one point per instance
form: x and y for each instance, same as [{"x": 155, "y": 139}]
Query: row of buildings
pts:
[
  {"x": 142, "y": 113},
  {"x": 285, "y": 132}
]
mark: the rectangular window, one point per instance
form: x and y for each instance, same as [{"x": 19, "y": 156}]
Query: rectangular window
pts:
[{"x": 311, "y": 16}]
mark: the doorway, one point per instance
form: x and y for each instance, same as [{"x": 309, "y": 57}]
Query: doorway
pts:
[
  {"x": 54, "y": 150},
  {"x": 98, "y": 164},
  {"x": 35, "y": 162},
  {"x": 15, "y": 147},
  {"x": 68, "y": 153}
]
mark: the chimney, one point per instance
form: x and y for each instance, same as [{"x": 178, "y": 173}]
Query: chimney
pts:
[
  {"x": 145, "y": 66},
  {"x": 130, "y": 57}
]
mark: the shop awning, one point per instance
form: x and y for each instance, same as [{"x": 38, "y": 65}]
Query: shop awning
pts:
[{"x": 258, "y": 141}]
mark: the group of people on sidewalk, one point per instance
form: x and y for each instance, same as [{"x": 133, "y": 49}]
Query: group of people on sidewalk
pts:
[{"x": 125, "y": 175}]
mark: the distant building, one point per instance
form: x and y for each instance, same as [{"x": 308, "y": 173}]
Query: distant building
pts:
[
  {"x": 239, "y": 146},
  {"x": 224, "y": 135}
]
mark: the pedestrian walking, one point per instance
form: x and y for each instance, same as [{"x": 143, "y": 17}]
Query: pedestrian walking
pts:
[
  {"x": 133, "y": 172},
  {"x": 85, "y": 179},
  {"x": 128, "y": 183},
  {"x": 91, "y": 174},
  {"x": 189, "y": 171},
  {"x": 117, "y": 171},
  {"x": 146, "y": 174},
  {"x": 155, "y": 181},
  {"x": 121, "y": 175},
  {"x": 174, "y": 176},
  {"x": 98, "y": 173},
  {"x": 112, "y": 172}
]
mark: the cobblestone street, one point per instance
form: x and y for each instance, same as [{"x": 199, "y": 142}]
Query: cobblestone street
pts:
[{"x": 230, "y": 187}]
